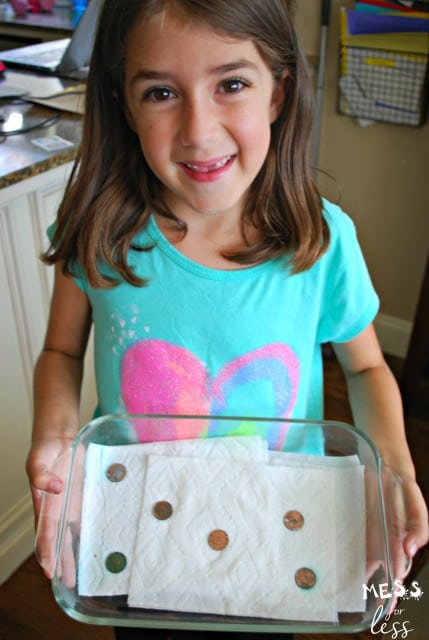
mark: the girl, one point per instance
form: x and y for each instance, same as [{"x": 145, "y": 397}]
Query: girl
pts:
[{"x": 192, "y": 237}]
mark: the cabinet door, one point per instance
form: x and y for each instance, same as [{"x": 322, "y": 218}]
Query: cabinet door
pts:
[
  {"x": 15, "y": 399},
  {"x": 26, "y": 217},
  {"x": 16, "y": 336}
]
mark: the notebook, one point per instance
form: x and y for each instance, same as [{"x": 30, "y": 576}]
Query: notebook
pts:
[{"x": 68, "y": 57}]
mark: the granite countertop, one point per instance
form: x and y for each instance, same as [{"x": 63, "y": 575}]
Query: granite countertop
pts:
[{"x": 20, "y": 158}]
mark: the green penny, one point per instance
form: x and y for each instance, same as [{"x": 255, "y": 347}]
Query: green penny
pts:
[{"x": 116, "y": 562}]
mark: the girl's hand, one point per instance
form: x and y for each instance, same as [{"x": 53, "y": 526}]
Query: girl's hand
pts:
[
  {"x": 407, "y": 526},
  {"x": 41, "y": 460},
  {"x": 47, "y": 466},
  {"x": 406, "y": 520},
  {"x": 416, "y": 527}
]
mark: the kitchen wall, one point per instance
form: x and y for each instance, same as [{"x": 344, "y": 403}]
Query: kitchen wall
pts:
[{"x": 380, "y": 173}]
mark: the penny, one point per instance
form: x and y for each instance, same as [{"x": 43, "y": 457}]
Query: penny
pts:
[
  {"x": 293, "y": 520},
  {"x": 116, "y": 562},
  {"x": 162, "y": 510},
  {"x": 218, "y": 539},
  {"x": 116, "y": 472},
  {"x": 305, "y": 578}
]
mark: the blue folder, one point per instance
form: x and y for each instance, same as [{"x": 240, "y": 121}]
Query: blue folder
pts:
[{"x": 365, "y": 23}]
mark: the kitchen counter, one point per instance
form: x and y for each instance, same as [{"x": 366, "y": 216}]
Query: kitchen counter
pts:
[{"x": 20, "y": 158}]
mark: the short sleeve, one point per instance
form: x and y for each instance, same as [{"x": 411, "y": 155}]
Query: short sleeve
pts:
[
  {"x": 50, "y": 231},
  {"x": 351, "y": 302},
  {"x": 78, "y": 274}
]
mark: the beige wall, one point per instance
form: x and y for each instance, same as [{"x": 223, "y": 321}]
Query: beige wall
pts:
[{"x": 382, "y": 174}]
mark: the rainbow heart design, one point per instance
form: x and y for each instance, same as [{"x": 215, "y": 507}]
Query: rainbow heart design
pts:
[{"x": 158, "y": 377}]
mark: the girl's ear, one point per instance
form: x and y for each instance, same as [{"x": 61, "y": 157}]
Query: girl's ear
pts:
[{"x": 278, "y": 96}]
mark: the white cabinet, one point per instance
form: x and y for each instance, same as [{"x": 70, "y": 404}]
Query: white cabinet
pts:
[{"x": 26, "y": 209}]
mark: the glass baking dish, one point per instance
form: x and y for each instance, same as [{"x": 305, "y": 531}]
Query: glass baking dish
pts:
[{"x": 222, "y": 524}]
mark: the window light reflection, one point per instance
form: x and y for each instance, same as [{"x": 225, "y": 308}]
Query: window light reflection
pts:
[{"x": 13, "y": 121}]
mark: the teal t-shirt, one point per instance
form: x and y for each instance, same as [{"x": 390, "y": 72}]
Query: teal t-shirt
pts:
[{"x": 247, "y": 342}]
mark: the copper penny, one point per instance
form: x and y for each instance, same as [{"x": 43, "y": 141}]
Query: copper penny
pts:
[
  {"x": 218, "y": 539},
  {"x": 116, "y": 562},
  {"x": 305, "y": 578},
  {"x": 116, "y": 472},
  {"x": 293, "y": 520},
  {"x": 162, "y": 510}
]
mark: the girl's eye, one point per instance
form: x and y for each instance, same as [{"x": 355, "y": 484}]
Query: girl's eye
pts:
[
  {"x": 234, "y": 85},
  {"x": 159, "y": 94}
]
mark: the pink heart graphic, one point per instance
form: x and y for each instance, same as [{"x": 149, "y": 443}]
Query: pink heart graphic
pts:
[{"x": 162, "y": 378}]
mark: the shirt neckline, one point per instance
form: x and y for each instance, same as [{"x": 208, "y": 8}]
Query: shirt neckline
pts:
[{"x": 200, "y": 270}]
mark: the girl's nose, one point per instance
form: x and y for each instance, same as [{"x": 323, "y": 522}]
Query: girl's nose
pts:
[{"x": 199, "y": 122}]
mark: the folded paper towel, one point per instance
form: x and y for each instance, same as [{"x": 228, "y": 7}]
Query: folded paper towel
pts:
[
  {"x": 349, "y": 501},
  {"x": 254, "y": 575}
]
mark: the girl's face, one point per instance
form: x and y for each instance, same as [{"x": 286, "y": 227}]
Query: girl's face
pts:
[{"x": 202, "y": 105}]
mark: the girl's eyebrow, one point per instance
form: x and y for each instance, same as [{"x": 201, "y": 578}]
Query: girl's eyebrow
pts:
[
  {"x": 242, "y": 63},
  {"x": 151, "y": 74}
]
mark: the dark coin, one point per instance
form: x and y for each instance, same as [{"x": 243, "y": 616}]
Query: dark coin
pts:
[
  {"x": 116, "y": 472},
  {"x": 218, "y": 539},
  {"x": 293, "y": 520},
  {"x": 116, "y": 562},
  {"x": 162, "y": 510},
  {"x": 305, "y": 578}
]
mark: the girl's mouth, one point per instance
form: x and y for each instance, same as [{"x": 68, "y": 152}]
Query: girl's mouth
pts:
[{"x": 209, "y": 170}]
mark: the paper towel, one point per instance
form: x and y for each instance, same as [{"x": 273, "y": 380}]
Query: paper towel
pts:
[
  {"x": 350, "y": 548},
  {"x": 175, "y": 568}
]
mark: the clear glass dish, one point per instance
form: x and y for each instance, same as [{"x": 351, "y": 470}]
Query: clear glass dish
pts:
[{"x": 211, "y": 523}]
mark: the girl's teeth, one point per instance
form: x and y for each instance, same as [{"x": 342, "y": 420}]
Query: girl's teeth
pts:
[{"x": 207, "y": 169}]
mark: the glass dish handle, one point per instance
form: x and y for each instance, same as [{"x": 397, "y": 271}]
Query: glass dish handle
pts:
[{"x": 396, "y": 522}]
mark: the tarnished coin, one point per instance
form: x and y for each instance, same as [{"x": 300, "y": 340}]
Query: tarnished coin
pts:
[
  {"x": 293, "y": 520},
  {"x": 218, "y": 539},
  {"x": 116, "y": 472},
  {"x": 305, "y": 578},
  {"x": 162, "y": 510},
  {"x": 116, "y": 562}
]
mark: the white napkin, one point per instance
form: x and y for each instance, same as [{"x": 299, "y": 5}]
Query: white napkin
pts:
[
  {"x": 110, "y": 510},
  {"x": 175, "y": 568},
  {"x": 350, "y": 548}
]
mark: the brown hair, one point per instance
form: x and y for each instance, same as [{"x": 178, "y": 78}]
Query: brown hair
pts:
[{"x": 112, "y": 191}]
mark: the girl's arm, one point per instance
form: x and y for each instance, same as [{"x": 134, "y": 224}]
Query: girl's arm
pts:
[
  {"x": 57, "y": 383},
  {"x": 377, "y": 410}
]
